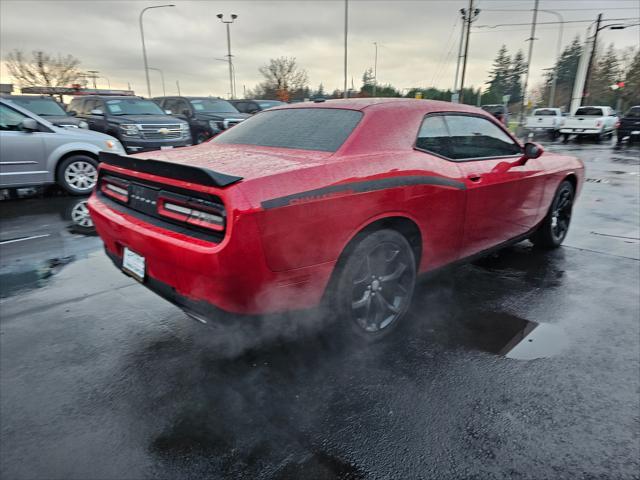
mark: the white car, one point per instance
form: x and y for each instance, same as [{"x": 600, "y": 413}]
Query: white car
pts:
[
  {"x": 595, "y": 121},
  {"x": 545, "y": 120}
]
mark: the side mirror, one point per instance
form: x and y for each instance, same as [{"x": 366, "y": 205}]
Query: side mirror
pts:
[
  {"x": 532, "y": 150},
  {"x": 97, "y": 111},
  {"x": 29, "y": 125},
  {"x": 72, "y": 113},
  {"x": 168, "y": 112}
]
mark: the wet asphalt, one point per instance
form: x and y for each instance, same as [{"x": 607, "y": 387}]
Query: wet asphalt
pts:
[{"x": 522, "y": 365}]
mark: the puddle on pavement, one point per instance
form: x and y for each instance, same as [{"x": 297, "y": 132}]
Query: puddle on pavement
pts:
[
  {"x": 15, "y": 282},
  {"x": 514, "y": 337}
]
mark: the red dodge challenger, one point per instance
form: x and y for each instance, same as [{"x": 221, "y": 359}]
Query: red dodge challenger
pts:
[{"x": 344, "y": 202}]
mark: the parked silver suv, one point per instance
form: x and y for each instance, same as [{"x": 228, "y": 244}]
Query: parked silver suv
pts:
[{"x": 33, "y": 151}]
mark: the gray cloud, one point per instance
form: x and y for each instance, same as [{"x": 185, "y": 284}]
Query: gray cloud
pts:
[{"x": 418, "y": 46}]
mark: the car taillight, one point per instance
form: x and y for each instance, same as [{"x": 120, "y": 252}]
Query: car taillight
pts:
[
  {"x": 598, "y": 123},
  {"x": 115, "y": 188},
  {"x": 193, "y": 211},
  {"x": 617, "y": 125}
]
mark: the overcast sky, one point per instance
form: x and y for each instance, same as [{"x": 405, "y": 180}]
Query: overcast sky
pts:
[{"x": 418, "y": 39}]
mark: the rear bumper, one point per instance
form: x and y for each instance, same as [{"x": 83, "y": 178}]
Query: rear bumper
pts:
[
  {"x": 582, "y": 131},
  {"x": 202, "y": 276}
]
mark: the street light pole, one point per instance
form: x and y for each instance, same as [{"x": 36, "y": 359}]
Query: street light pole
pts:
[
  {"x": 529, "y": 55},
  {"x": 164, "y": 92},
  {"x": 144, "y": 48},
  {"x": 585, "y": 91},
  {"x": 345, "y": 94},
  {"x": 552, "y": 93},
  {"x": 375, "y": 70},
  {"x": 231, "y": 79}
]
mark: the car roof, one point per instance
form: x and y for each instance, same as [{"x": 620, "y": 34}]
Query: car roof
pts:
[
  {"x": 28, "y": 96},
  {"x": 109, "y": 97},
  {"x": 25, "y": 112},
  {"x": 383, "y": 104}
]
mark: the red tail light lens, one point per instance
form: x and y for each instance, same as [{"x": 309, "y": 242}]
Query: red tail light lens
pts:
[
  {"x": 598, "y": 123},
  {"x": 193, "y": 211},
  {"x": 115, "y": 188},
  {"x": 617, "y": 125}
]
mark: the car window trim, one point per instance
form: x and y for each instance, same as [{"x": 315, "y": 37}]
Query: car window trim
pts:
[
  {"x": 473, "y": 159},
  {"x": 42, "y": 128}
]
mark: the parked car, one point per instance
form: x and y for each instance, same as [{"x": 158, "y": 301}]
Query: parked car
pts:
[
  {"x": 545, "y": 120},
  {"x": 501, "y": 112},
  {"x": 33, "y": 151},
  {"x": 343, "y": 202},
  {"x": 255, "y": 106},
  {"x": 140, "y": 124},
  {"x": 629, "y": 125},
  {"x": 207, "y": 116},
  {"x": 47, "y": 107},
  {"x": 597, "y": 122}
]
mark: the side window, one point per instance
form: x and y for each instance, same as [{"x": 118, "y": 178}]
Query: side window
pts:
[
  {"x": 170, "y": 104},
  {"x": 434, "y": 136},
  {"x": 76, "y": 105},
  {"x": 477, "y": 137},
  {"x": 10, "y": 119},
  {"x": 181, "y": 106},
  {"x": 89, "y": 105}
]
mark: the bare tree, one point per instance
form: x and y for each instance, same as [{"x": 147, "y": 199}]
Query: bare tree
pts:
[
  {"x": 282, "y": 78},
  {"x": 42, "y": 69}
]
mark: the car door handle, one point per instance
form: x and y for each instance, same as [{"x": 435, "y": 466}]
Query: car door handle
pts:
[{"x": 475, "y": 177}]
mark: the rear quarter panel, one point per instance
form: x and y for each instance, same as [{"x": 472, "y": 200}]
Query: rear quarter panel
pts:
[{"x": 316, "y": 228}]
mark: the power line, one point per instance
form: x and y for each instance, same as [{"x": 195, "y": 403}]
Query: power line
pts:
[
  {"x": 556, "y": 9},
  {"x": 551, "y": 23}
]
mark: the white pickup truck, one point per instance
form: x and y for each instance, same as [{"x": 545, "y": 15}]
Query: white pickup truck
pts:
[
  {"x": 545, "y": 120},
  {"x": 598, "y": 122}
]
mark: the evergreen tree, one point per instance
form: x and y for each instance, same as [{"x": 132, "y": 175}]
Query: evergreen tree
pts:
[
  {"x": 566, "y": 67},
  {"x": 604, "y": 73},
  {"x": 516, "y": 70},
  {"x": 631, "y": 91},
  {"x": 499, "y": 77}
]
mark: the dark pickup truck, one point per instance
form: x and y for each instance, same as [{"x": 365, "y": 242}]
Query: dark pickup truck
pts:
[
  {"x": 207, "y": 116},
  {"x": 629, "y": 125},
  {"x": 140, "y": 124}
]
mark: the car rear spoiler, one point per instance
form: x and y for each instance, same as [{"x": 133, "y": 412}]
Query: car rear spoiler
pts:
[{"x": 179, "y": 171}]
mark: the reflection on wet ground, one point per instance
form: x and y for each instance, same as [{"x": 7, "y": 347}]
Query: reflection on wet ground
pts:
[{"x": 39, "y": 237}]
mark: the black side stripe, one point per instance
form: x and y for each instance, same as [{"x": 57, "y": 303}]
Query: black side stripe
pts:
[{"x": 364, "y": 186}]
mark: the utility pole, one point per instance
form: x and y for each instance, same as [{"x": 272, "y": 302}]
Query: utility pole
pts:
[
  {"x": 585, "y": 91},
  {"x": 93, "y": 76},
  {"x": 231, "y": 80},
  {"x": 455, "y": 96},
  {"x": 526, "y": 73},
  {"x": 375, "y": 70},
  {"x": 164, "y": 91},
  {"x": 470, "y": 16},
  {"x": 178, "y": 85},
  {"x": 346, "y": 34}
]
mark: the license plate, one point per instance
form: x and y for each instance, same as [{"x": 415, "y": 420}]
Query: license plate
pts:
[
  {"x": 133, "y": 264},
  {"x": 635, "y": 132},
  {"x": 166, "y": 147}
]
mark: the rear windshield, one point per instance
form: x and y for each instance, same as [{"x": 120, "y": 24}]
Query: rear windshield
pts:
[
  {"x": 545, "y": 112},
  {"x": 40, "y": 106},
  {"x": 633, "y": 112},
  {"x": 589, "y": 112},
  {"x": 323, "y": 129},
  {"x": 493, "y": 108}
]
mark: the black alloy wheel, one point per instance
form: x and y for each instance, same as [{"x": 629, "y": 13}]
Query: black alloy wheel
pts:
[
  {"x": 553, "y": 229},
  {"x": 376, "y": 285}
]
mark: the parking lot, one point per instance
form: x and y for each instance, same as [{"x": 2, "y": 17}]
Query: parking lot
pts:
[{"x": 521, "y": 365}]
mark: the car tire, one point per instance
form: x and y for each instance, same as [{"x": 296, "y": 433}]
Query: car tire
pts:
[
  {"x": 553, "y": 229},
  {"x": 77, "y": 174},
  {"x": 565, "y": 138},
  {"x": 374, "y": 284},
  {"x": 201, "y": 138}
]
